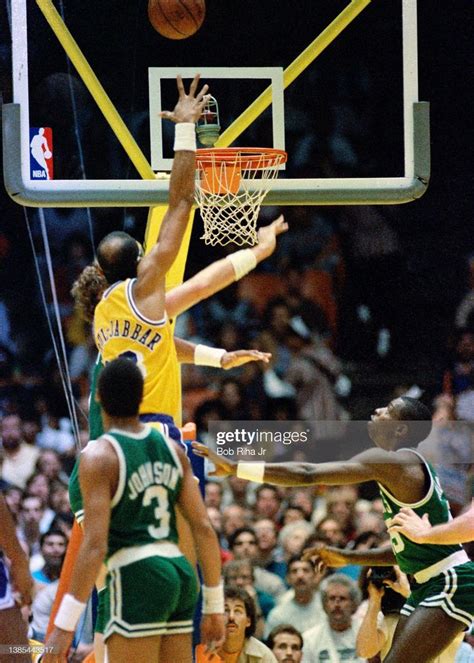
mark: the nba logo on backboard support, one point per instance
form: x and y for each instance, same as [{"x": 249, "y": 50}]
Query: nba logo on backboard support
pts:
[{"x": 41, "y": 153}]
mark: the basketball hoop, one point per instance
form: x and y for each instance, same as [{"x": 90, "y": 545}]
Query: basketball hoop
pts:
[{"x": 230, "y": 187}]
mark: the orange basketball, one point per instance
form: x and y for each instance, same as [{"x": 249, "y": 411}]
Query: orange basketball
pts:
[{"x": 176, "y": 19}]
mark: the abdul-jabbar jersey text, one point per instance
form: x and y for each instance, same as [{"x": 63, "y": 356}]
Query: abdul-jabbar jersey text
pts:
[{"x": 120, "y": 330}]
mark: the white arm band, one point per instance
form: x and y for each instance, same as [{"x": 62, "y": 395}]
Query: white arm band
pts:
[
  {"x": 251, "y": 471},
  {"x": 243, "y": 262},
  {"x": 185, "y": 137},
  {"x": 213, "y": 599},
  {"x": 206, "y": 356},
  {"x": 69, "y": 612}
]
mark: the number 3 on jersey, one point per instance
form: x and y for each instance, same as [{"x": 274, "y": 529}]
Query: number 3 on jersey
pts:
[{"x": 161, "y": 513}]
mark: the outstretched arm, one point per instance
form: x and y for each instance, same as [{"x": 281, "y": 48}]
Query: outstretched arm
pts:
[
  {"x": 420, "y": 530},
  {"x": 202, "y": 355},
  {"x": 334, "y": 558},
  {"x": 367, "y": 466},
  {"x": 222, "y": 273},
  {"x": 149, "y": 287}
]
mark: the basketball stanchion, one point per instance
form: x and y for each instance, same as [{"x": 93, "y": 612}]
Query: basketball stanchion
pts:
[{"x": 231, "y": 184}]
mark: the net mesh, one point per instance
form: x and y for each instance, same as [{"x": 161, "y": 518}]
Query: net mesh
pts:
[{"x": 230, "y": 187}]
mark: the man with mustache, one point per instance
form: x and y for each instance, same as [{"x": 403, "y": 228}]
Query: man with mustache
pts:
[
  {"x": 303, "y": 609},
  {"x": 333, "y": 639},
  {"x": 239, "y": 645}
]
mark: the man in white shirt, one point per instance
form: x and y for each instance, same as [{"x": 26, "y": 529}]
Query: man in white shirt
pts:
[
  {"x": 304, "y": 607},
  {"x": 333, "y": 639},
  {"x": 19, "y": 458}
]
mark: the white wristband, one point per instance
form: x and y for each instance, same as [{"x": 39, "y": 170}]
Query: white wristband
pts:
[
  {"x": 206, "y": 356},
  {"x": 251, "y": 471},
  {"x": 213, "y": 599},
  {"x": 69, "y": 612},
  {"x": 185, "y": 137},
  {"x": 243, "y": 262}
]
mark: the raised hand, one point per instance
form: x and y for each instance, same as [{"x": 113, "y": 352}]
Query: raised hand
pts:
[
  {"x": 240, "y": 357},
  {"x": 267, "y": 236},
  {"x": 190, "y": 106}
]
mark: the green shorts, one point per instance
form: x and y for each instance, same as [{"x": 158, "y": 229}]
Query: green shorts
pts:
[
  {"x": 452, "y": 591},
  {"x": 154, "y": 596}
]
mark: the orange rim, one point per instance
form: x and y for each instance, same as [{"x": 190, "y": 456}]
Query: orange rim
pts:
[{"x": 247, "y": 158}]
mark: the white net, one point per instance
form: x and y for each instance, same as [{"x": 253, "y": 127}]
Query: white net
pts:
[{"x": 230, "y": 187}]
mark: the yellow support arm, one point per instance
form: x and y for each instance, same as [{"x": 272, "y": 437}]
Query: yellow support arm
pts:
[
  {"x": 298, "y": 65},
  {"x": 95, "y": 88}
]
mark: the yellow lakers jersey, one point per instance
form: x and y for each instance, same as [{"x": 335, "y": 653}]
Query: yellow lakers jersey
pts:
[{"x": 120, "y": 330}]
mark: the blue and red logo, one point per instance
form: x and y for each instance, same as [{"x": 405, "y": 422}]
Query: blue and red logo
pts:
[{"x": 41, "y": 153}]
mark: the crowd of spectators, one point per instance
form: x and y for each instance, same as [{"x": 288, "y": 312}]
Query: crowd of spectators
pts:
[{"x": 262, "y": 530}]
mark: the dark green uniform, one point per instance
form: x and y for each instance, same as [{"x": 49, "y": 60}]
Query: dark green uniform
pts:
[
  {"x": 442, "y": 575},
  {"x": 96, "y": 426},
  {"x": 150, "y": 586},
  {"x": 75, "y": 497}
]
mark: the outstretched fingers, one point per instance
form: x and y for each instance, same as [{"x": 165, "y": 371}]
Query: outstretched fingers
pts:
[
  {"x": 200, "y": 449},
  {"x": 180, "y": 86},
  {"x": 202, "y": 96},
  {"x": 280, "y": 225},
  {"x": 194, "y": 85}
]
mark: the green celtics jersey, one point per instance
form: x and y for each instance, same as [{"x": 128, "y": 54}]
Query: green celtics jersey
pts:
[
  {"x": 413, "y": 557},
  {"x": 143, "y": 507},
  {"x": 96, "y": 427}
]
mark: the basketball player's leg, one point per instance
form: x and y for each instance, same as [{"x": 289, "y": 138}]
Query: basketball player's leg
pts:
[
  {"x": 145, "y": 649},
  {"x": 423, "y": 635},
  {"x": 102, "y": 616},
  {"x": 99, "y": 648},
  {"x": 176, "y": 648}
]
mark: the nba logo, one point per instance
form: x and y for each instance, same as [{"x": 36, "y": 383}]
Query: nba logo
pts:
[{"x": 41, "y": 153}]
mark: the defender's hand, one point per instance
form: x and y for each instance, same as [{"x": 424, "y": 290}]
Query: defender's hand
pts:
[
  {"x": 224, "y": 467},
  {"x": 267, "y": 237},
  {"x": 189, "y": 107},
  {"x": 328, "y": 555},
  {"x": 240, "y": 357}
]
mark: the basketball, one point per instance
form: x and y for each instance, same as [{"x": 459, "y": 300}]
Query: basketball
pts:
[{"x": 176, "y": 19}]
